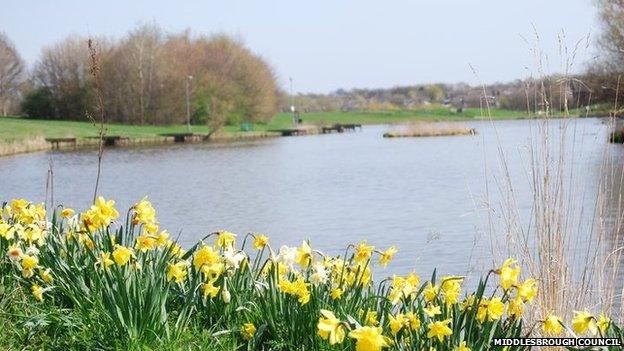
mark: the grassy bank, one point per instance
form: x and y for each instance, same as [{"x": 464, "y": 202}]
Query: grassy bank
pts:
[{"x": 25, "y": 135}]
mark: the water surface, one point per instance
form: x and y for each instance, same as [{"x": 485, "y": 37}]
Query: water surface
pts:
[{"x": 426, "y": 196}]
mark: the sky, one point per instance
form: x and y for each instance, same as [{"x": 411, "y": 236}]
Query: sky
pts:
[{"x": 325, "y": 45}]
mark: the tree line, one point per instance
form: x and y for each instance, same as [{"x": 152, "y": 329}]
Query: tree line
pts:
[{"x": 146, "y": 78}]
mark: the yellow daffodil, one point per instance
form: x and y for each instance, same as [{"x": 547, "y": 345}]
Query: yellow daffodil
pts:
[
  {"x": 414, "y": 322},
  {"x": 432, "y": 311},
  {"x": 582, "y": 322},
  {"x": 260, "y": 241},
  {"x": 515, "y": 307},
  {"x": 371, "y": 318},
  {"x": 162, "y": 239},
  {"x": 369, "y": 339},
  {"x": 462, "y": 347},
  {"x": 105, "y": 261},
  {"x": 67, "y": 212},
  {"x": 396, "y": 323},
  {"x": 145, "y": 242},
  {"x": 122, "y": 255},
  {"x": 29, "y": 262},
  {"x": 209, "y": 290},
  {"x": 206, "y": 255},
  {"x": 603, "y": 323},
  {"x": 528, "y": 289},
  {"x": 225, "y": 239},
  {"x": 467, "y": 303},
  {"x": 336, "y": 293},
  {"x": 304, "y": 255},
  {"x": 177, "y": 271},
  {"x": 6, "y": 231},
  {"x": 387, "y": 256},
  {"x": 451, "y": 287},
  {"x": 439, "y": 329},
  {"x": 330, "y": 328},
  {"x": 37, "y": 292},
  {"x": 46, "y": 275},
  {"x": 363, "y": 252},
  {"x": 430, "y": 292},
  {"x": 144, "y": 212},
  {"x": 508, "y": 273},
  {"x": 248, "y": 330},
  {"x": 552, "y": 325}
]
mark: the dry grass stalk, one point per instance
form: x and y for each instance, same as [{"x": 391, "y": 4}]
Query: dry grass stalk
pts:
[
  {"x": 571, "y": 239},
  {"x": 428, "y": 129}
]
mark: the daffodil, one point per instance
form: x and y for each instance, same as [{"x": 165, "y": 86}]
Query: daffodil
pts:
[
  {"x": 225, "y": 294},
  {"x": 451, "y": 286},
  {"x": 260, "y": 241},
  {"x": 304, "y": 255},
  {"x": 336, "y": 293},
  {"x": 369, "y": 339},
  {"x": 509, "y": 273},
  {"x": 515, "y": 307},
  {"x": 462, "y": 347},
  {"x": 29, "y": 262},
  {"x": 430, "y": 292},
  {"x": 396, "y": 323},
  {"x": 363, "y": 252},
  {"x": 122, "y": 255},
  {"x": 210, "y": 290},
  {"x": 225, "y": 239},
  {"x": 67, "y": 212},
  {"x": 15, "y": 253},
  {"x": 432, "y": 311},
  {"x": 177, "y": 271},
  {"x": 46, "y": 275},
  {"x": 248, "y": 331},
  {"x": 330, "y": 328},
  {"x": 206, "y": 255},
  {"x": 387, "y": 256},
  {"x": 144, "y": 212},
  {"x": 527, "y": 290},
  {"x": 104, "y": 260},
  {"x": 6, "y": 231},
  {"x": 413, "y": 320},
  {"x": 582, "y": 322},
  {"x": 552, "y": 325},
  {"x": 371, "y": 318},
  {"x": 603, "y": 323},
  {"x": 37, "y": 292},
  {"x": 439, "y": 329},
  {"x": 145, "y": 242}
]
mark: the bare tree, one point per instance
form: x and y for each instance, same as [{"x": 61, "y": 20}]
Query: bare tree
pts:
[
  {"x": 611, "y": 41},
  {"x": 11, "y": 75}
]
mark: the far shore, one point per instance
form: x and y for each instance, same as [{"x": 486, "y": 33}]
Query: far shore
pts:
[{"x": 24, "y": 135}]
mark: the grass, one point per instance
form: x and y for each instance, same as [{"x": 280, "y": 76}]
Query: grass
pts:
[
  {"x": 25, "y": 135},
  {"x": 15, "y": 128}
]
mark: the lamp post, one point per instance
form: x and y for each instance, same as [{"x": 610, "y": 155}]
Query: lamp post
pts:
[
  {"x": 292, "y": 103},
  {"x": 188, "y": 103}
]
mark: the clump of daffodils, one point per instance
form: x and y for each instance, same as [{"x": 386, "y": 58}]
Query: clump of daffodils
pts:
[{"x": 259, "y": 293}]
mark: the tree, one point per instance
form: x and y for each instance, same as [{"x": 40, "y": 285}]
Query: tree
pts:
[
  {"x": 611, "y": 41},
  {"x": 63, "y": 73},
  {"x": 11, "y": 75}
]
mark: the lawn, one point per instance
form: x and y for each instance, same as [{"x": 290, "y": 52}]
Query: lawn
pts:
[{"x": 19, "y": 129}]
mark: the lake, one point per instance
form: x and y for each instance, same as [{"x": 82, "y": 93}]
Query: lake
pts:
[{"x": 426, "y": 196}]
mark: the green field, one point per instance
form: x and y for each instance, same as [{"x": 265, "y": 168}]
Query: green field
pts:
[{"x": 15, "y": 128}]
